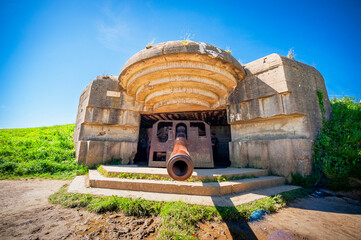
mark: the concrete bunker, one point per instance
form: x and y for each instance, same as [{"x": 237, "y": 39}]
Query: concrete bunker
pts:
[{"x": 265, "y": 114}]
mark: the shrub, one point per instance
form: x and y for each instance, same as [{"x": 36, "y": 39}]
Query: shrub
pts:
[{"x": 337, "y": 149}]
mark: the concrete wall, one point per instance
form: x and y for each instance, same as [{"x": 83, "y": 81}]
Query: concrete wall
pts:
[
  {"x": 275, "y": 115},
  {"x": 107, "y": 125}
]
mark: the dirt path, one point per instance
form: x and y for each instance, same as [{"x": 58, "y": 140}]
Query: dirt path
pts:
[
  {"x": 25, "y": 213},
  {"x": 307, "y": 218},
  {"x": 315, "y": 218}
]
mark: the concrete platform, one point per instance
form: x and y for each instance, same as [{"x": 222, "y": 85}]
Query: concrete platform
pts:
[
  {"x": 197, "y": 173},
  {"x": 80, "y": 182},
  {"x": 192, "y": 188}
]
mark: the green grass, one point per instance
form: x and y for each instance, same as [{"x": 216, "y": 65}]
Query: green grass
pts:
[
  {"x": 46, "y": 152},
  {"x": 337, "y": 149},
  {"x": 178, "y": 218},
  {"x": 131, "y": 175}
]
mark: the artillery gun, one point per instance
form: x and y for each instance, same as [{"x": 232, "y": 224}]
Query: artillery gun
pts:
[{"x": 181, "y": 146}]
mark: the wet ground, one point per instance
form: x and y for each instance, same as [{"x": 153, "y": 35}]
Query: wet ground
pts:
[{"x": 25, "y": 213}]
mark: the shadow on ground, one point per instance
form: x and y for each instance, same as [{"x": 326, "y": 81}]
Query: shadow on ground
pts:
[
  {"x": 237, "y": 229},
  {"x": 330, "y": 204}
]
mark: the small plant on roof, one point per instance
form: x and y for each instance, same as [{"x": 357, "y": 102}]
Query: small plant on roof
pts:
[
  {"x": 150, "y": 44},
  {"x": 105, "y": 76},
  {"x": 228, "y": 50},
  {"x": 291, "y": 54},
  {"x": 187, "y": 38},
  {"x": 185, "y": 42}
]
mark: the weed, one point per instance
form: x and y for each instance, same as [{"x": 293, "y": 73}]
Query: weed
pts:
[
  {"x": 228, "y": 50},
  {"x": 187, "y": 38},
  {"x": 150, "y": 44},
  {"x": 185, "y": 42},
  {"x": 291, "y": 54},
  {"x": 115, "y": 161},
  {"x": 321, "y": 104},
  {"x": 308, "y": 182},
  {"x": 102, "y": 205},
  {"x": 131, "y": 175}
]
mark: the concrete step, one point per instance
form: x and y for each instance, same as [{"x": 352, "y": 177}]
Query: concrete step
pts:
[
  {"x": 80, "y": 183},
  {"x": 97, "y": 180},
  {"x": 197, "y": 173}
]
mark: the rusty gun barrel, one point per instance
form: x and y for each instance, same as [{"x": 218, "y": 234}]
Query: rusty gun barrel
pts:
[{"x": 180, "y": 165}]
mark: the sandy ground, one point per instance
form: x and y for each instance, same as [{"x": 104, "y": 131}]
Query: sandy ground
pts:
[
  {"x": 308, "y": 218},
  {"x": 313, "y": 217},
  {"x": 25, "y": 213}
]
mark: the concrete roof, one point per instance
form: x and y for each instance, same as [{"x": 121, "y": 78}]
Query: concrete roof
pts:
[
  {"x": 179, "y": 75},
  {"x": 179, "y": 47}
]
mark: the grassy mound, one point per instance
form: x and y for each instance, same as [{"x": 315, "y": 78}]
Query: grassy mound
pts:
[{"x": 38, "y": 152}]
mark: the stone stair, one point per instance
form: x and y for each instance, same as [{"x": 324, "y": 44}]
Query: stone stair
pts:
[
  {"x": 201, "y": 174},
  {"x": 256, "y": 184},
  {"x": 256, "y": 179}
]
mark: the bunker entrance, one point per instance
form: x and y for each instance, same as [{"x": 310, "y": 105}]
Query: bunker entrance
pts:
[{"x": 216, "y": 119}]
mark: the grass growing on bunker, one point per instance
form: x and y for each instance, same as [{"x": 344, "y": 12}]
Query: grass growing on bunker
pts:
[
  {"x": 126, "y": 175},
  {"x": 337, "y": 149},
  {"x": 46, "y": 152},
  {"x": 178, "y": 218}
]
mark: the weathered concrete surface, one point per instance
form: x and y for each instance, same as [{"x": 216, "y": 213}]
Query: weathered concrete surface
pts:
[
  {"x": 169, "y": 76},
  {"x": 172, "y": 76},
  {"x": 275, "y": 115},
  {"x": 107, "y": 125},
  {"x": 79, "y": 186},
  {"x": 280, "y": 156},
  {"x": 271, "y": 104}
]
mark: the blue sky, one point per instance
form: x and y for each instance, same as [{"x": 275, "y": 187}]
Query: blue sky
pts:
[{"x": 51, "y": 50}]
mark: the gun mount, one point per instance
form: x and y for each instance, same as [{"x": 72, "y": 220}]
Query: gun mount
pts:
[{"x": 181, "y": 146}]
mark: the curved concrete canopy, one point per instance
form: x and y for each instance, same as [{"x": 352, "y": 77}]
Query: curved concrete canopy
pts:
[{"x": 174, "y": 76}]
